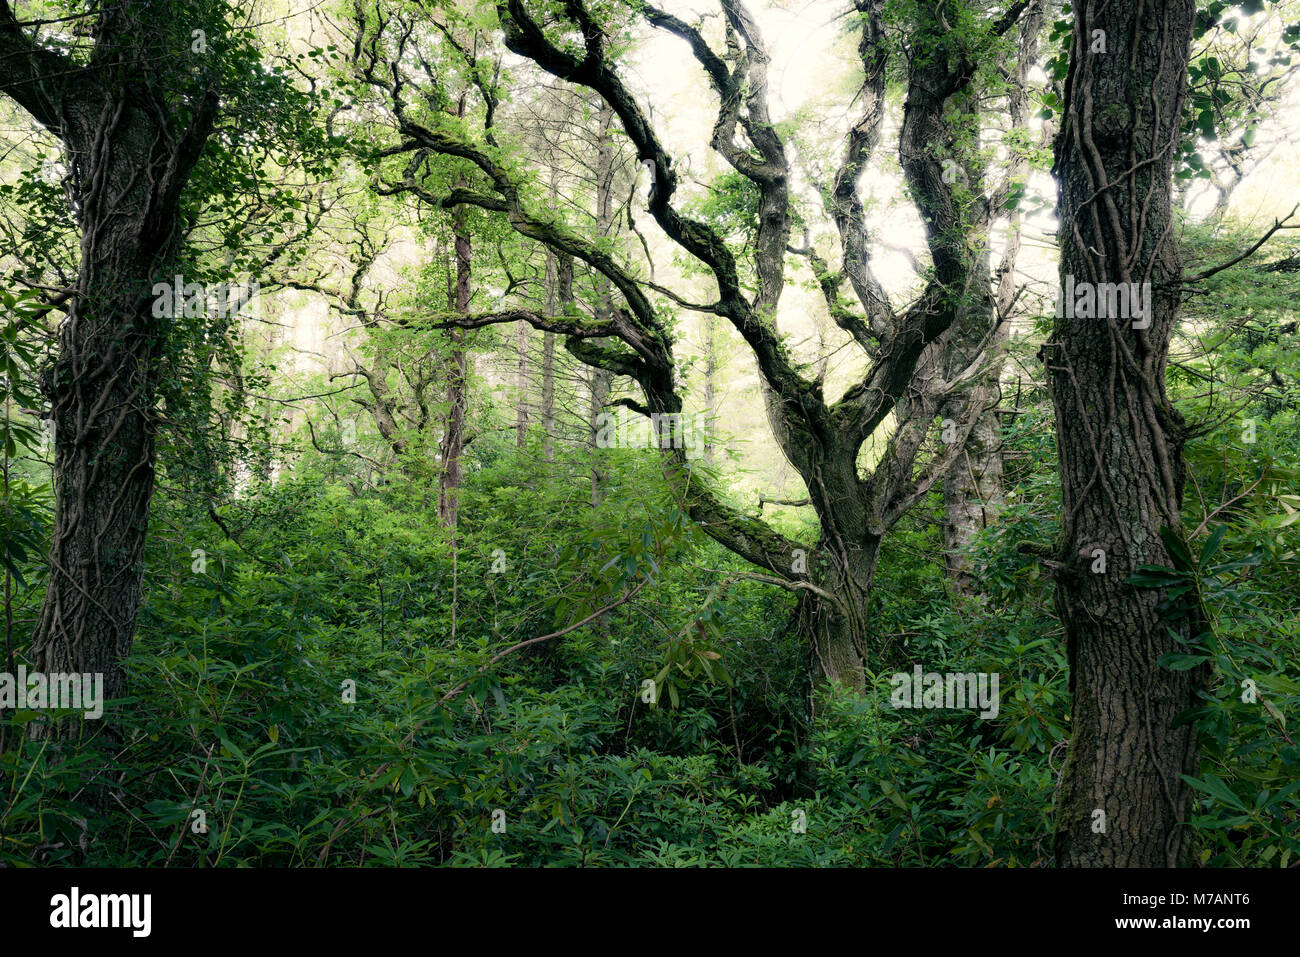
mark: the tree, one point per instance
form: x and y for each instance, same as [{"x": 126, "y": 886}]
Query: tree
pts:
[
  {"x": 821, "y": 439},
  {"x": 176, "y": 141},
  {"x": 133, "y": 113},
  {"x": 1123, "y": 800},
  {"x": 973, "y": 487}
]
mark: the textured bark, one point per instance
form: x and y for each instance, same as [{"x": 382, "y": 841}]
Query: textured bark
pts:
[
  {"x": 841, "y": 627},
  {"x": 973, "y": 494},
  {"x": 128, "y": 165},
  {"x": 972, "y": 486},
  {"x": 973, "y": 491},
  {"x": 599, "y": 382},
  {"x": 548, "y": 396},
  {"x": 1121, "y": 442},
  {"x": 383, "y": 405}
]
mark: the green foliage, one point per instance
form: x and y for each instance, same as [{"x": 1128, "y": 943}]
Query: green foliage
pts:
[
  {"x": 239, "y": 708},
  {"x": 236, "y": 702},
  {"x": 325, "y": 674}
]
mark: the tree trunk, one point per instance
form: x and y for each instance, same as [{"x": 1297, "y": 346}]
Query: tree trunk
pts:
[
  {"x": 453, "y": 437},
  {"x": 127, "y": 172},
  {"x": 972, "y": 486},
  {"x": 548, "y": 360},
  {"x": 838, "y": 629},
  {"x": 601, "y": 380},
  {"x": 521, "y": 384},
  {"x": 972, "y": 496},
  {"x": 710, "y": 385},
  {"x": 559, "y": 296},
  {"x": 1122, "y": 801},
  {"x": 548, "y": 396},
  {"x": 973, "y": 491}
]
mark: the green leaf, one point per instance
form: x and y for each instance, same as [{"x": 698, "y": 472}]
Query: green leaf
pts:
[
  {"x": 1214, "y": 787},
  {"x": 894, "y": 796},
  {"x": 1276, "y": 712},
  {"x": 1177, "y": 662},
  {"x": 1212, "y": 543},
  {"x": 1177, "y": 548}
]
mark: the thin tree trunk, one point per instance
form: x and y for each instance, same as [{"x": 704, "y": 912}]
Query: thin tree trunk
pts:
[
  {"x": 453, "y": 437},
  {"x": 710, "y": 385},
  {"x": 602, "y": 381},
  {"x": 599, "y": 382},
  {"x": 521, "y": 385},
  {"x": 559, "y": 296},
  {"x": 548, "y": 396}
]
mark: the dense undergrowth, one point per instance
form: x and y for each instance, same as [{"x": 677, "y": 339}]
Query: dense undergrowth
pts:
[{"x": 300, "y": 696}]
